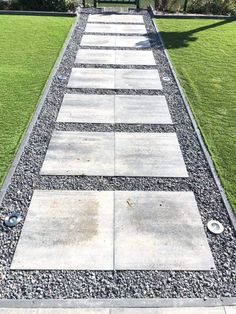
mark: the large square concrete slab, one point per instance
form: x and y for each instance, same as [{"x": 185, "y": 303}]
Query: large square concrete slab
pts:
[
  {"x": 175, "y": 310},
  {"x": 120, "y": 57},
  {"x": 115, "y": 41},
  {"x": 115, "y": 18},
  {"x": 148, "y": 154},
  {"x": 80, "y": 153},
  {"x": 54, "y": 311},
  {"x": 116, "y": 28},
  {"x": 137, "y": 79},
  {"x": 159, "y": 230},
  {"x": 67, "y": 230},
  {"x": 82, "y": 108},
  {"x": 114, "y": 78},
  {"x": 141, "y": 109},
  {"x": 92, "y": 78}
]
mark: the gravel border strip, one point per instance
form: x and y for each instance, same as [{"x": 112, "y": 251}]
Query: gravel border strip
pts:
[{"x": 116, "y": 284}]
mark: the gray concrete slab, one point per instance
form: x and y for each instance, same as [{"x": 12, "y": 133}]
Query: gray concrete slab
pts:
[
  {"x": 82, "y": 108},
  {"x": 115, "y": 41},
  {"x": 230, "y": 310},
  {"x": 120, "y": 57},
  {"x": 187, "y": 310},
  {"x": 141, "y": 109},
  {"x": 92, "y": 78},
  {"x": 116, "y": 28},
  {"x": 159, "y": 230},
  {"x": 79, "y": 153},
  {"x": 115, "y": 18},
  {"x": 137, "y": 79},
  {"x": 67, "y": 230},
  {"x": 148, "y": 154},
  {"x": 114, "y": 78},
  {"x": 53, "y": 311}
]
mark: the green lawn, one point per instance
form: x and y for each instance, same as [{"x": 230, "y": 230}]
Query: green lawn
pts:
[
  {"x": 203, "y": 53},
  {"x": 29, "y": 47}
]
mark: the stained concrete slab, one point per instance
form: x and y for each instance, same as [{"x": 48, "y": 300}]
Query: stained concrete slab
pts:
[
  {"x": 115, "y": 41},
  {"x": 141, "y": 109},
  {"x": 116, "y": 28},
  {"x": 159, "y": 230},
  {"x": 120, "y": 57},
  {"x": 148, "y": 154},
  {"x": 67, "y": 230},
  {"x": 114, "y": 78},
  {"x": 79, "y": 153},
  {"x": 92, "y": 78},
  {"x": 115, "y": 18},
  {"x": 82, "y": 108},
  {"x": 178, "y": 310},
  {"x": 53, "y": 311}
]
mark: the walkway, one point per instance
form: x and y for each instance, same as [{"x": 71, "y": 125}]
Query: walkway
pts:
[{"x": 123, "y": 186}]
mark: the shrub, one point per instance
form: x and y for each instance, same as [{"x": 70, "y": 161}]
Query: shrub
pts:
[{"x": 42, "y": 5}]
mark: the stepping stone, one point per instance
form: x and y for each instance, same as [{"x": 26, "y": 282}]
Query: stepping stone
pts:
[
  {"x": 115, "y": 18},
  {"x": 115, "y": 41},
  {"x": 116, "y": 28},
  {"x": 114, "y": 78},
  {"x": 80, "y": 153},
  {"x": 92, "y": 153},
  {"x": 148, "y": 154},
  {"x": 67, "y": 230},
  {"x": 159, "y": 230},
  {"x": 140, "y": 109},
  {"x": 120, "y": 57}
]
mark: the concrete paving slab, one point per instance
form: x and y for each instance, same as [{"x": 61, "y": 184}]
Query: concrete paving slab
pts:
[
  {"x": 159, "y": 230},
  {"x": 67, "y": 230},
  {"x": 92, "y": 78},
  {"x": 230, "y": 310},
  {"x": 79, "y": 153},
  {"x": 186, "y": 310},
  {"x": 53, "y": 311},
  {"x": 115, "y": 41},
  {"x": 120, "y": 57},
  {"x": 116, "y": 28},
  {"x": 137, "y": 79},
  {"x": 115, "y": 18},
  {"x": 148, "y": 154},
  {"x": 82, "y": 108},
  {"x": 141, "y": 109},
  {"x": 114, "y": 78}
]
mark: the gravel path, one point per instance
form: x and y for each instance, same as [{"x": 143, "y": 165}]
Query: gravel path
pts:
[{"x": 117, "y": 284}]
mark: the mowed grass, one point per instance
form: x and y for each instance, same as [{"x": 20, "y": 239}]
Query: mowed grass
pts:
[
  {"x": 203, "y": 53},
  {"x": 29, "y": 47}
]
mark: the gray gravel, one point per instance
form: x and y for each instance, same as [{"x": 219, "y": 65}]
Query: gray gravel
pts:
[{"x": 117, "y": 284}]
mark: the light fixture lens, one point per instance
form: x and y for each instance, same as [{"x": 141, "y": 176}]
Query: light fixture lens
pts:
[{"x": 215, "y": 226}]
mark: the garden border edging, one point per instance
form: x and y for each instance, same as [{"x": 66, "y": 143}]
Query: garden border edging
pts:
[{"x": 37, "y": 13}]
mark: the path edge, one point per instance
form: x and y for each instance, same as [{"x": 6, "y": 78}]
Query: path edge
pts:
[
  {"x": 229, "y": 209},
  {"x": 38, "y": 108}
]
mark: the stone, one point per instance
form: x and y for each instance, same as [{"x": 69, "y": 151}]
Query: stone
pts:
[
  {"x": 67, "y": 230},
  {"x": 140, "y": 109},
  {"x": 115, "y": 18},
  {"x": 120, "y": 57},
  {"x": 159, "y": 230},
  {"x": 80, "y": 153},
  {"x": 116, "y": 28},
  {"x": 82, "y": 108},
  {"x": 148, "y": 154},
  {"x": 114, "y": 78},
  {"x": 115, "y": 41}
]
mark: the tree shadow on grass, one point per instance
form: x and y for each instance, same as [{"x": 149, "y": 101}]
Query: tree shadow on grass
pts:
[{"x": 175, "y": 40}]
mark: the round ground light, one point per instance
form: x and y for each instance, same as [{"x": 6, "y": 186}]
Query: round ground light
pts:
[
  {"x": 12, "y": 220},
  {"x": 166, "y": 79},
  {"x": 215, "y": 226}
]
